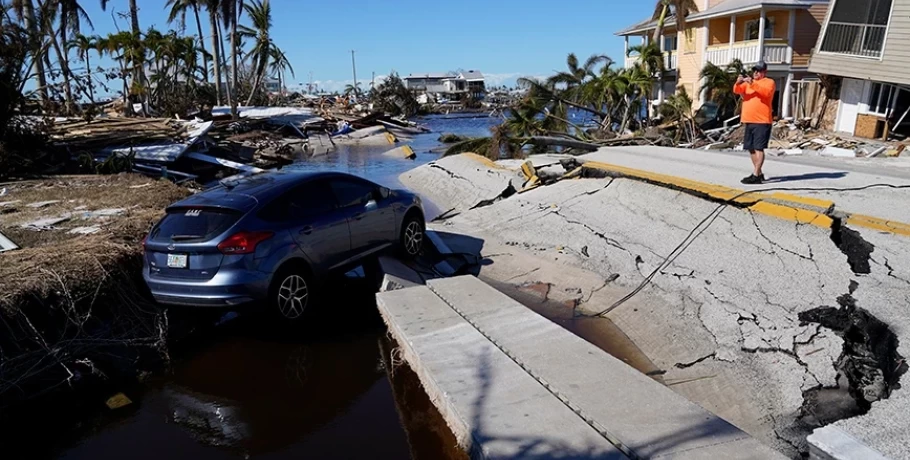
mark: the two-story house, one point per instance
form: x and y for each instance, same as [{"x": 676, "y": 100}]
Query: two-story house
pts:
[
  {"x": 452, "y": 86},
  {"x": 867, "y": 42},
  {"x": 780, "y": 32}
]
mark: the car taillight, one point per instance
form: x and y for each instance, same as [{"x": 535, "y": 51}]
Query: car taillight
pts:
[{"x": 243, "y": 242}]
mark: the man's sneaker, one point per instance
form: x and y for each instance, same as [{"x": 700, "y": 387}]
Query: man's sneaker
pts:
[{"x": 753, "y": 179}]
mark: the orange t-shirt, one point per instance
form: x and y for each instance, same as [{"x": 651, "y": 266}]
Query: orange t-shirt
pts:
[{"x": 757, "y": 99}]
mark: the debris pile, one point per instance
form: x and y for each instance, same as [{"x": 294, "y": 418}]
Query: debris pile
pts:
[
  {"x": 198, "y": 150},
  {"x": 797, "y": 138}
]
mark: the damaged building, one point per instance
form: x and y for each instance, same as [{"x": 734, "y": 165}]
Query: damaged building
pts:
[{"x": 864, "y": 44}]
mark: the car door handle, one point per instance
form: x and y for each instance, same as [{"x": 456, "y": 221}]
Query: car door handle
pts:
[
  {"x": 358, "y": 216},
  {"x": 307, "y": 230}
]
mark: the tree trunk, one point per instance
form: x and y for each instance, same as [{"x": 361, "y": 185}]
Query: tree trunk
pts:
[
  {"x": 205, "y": 58},
  {"x": 88, "y": 78},
  {"x": 64, "y": 68},
  {"x": 31, "y": 25},
  {"x": 227, "y": 80},
  {"x": 216, "y": 54},
  {"x": 234, "y": 20},
  {"x": 661, "y": 21}
]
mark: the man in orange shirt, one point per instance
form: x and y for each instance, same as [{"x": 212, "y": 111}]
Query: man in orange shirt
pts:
[{"x": 758, "y": 93}]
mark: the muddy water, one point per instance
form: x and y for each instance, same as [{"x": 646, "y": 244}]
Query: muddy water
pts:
[{"x": 600, "y": 332}]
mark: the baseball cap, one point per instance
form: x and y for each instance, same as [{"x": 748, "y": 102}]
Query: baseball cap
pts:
[{"x": 760, "y": 66}]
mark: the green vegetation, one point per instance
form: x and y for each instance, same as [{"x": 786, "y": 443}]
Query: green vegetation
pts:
[{"x": 167, "y": 72}]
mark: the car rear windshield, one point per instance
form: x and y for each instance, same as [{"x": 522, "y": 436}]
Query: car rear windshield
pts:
[{"x": 193, "y": 224}]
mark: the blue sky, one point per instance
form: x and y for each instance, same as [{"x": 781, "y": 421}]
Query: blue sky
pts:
[{"x": 503, "y": 39}]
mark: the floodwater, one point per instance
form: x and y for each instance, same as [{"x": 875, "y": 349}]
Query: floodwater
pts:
[{"x": 252, "y": 389}]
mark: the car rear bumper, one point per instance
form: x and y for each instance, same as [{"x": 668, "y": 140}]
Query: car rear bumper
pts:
[{"x": 223, "y": 290}]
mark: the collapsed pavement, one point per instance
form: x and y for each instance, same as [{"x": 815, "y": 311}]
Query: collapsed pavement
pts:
[{"x": 756, "y": 320}]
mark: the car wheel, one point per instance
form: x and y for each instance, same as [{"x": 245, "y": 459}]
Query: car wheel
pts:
[
  {"x": 412, "y": 235},
  {"x": 292, "y": 294}
]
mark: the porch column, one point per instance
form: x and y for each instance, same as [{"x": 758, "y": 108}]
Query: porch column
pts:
[
  {"x": 705, "y": 38},
  {"x": 788, "y": 91},
  {"x": 791, "y": 36},
  {"x": 761, "y": 34},
  {"x": 626, "y": 51},
  {"x": 732, "y": 34}
]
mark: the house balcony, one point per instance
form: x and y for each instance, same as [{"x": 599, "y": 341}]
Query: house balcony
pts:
[
  {"x": 776, "y": 52},
  {"x": 671, "y": 61}
]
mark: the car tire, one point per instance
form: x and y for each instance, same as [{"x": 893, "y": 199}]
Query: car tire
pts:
[
  {"x": 292, "y": 294},
  {"x": 413, "y": 234}
]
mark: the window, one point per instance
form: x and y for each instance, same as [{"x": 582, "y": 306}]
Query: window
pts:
[
  {"x": 193, "y": 224},
  {"x": 751, "y": 32},
  {"x": 881, "y": 98},
  {"x": 352, "y": 193},
  {"x": 857, "y": 27},
  {"x": 670, "y": 42},
  {"x": 310, "y": 199}
]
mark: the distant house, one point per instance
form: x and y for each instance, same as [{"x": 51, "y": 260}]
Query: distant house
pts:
[
  {"x": 450, "y": 86},
  {"x": 273, "y": 86},
  {"x": 865, "y": 43}
]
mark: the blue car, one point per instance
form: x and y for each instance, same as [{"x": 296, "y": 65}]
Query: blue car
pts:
[{"x": 274, "y": 237}]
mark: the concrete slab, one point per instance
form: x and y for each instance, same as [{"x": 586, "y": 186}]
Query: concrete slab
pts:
[
  {"x": 396, "y": 275},
  {"x": 640, "y": 415},
  {"x": 832, "y": 443},
  {"x": 462, "y": 182},
  {"x": 494, "y": 408}
]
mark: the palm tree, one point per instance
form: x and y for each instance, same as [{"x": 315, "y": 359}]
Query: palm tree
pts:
[
  {"x": 230, "y": 15},
  {"x": 71, "y": 16},
  {"x": 178, "y": 14},
  {"x": 678, "y": 108},
  {"x": 83, "y": 44},
  {"x": 280, "y": 64},
  {"x": 25, "y": 11},
  {"x": 636, "y": 83},
  {"x": 260, "y": 13},
  {"x": 576, "y": 76},
  {"x": 116, "y": 46},
  {"x": 352, "y": 90},
  {"x": 651, "y": 57},
  {"x": 680, "y": 8},
  {"x": 718, "y": 86},
  {"x": 214, "y": 7}
]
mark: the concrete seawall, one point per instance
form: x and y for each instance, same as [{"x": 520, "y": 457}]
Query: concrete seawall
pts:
[{"x": 512, "y": 384}]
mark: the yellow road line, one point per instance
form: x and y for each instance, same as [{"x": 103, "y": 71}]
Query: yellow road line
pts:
[{"x": 780, "y": 205}]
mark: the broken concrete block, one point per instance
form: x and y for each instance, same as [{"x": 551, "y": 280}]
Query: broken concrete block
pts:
[
  {"x": 462, "y": 182},
  {"x": 84, "y": 230},
  {"x": 404, "y": 151}
]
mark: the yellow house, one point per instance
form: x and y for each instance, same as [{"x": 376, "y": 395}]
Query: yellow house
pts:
[{"x": 724, "y": 30}]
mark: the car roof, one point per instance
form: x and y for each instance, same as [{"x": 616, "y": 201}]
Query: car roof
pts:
[{"x": 243, "y": 194}]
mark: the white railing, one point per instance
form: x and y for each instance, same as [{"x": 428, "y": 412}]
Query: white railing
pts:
[
  {"x": 670, "y": 61},
  {"x": 855, "y": 39},
  {"x": 777, "y": 53},
  {"x": 748, "y": 53}
]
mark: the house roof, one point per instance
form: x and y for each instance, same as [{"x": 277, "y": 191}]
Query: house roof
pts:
[
  {"x": 439, "y": 75},
  {"x": 738, "y": 6},
  {"x": 725, "y": 8},
  {"x": 472, "y": 75}
]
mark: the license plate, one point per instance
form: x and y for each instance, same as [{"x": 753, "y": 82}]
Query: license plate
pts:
[{"x": 176, "y": 260}]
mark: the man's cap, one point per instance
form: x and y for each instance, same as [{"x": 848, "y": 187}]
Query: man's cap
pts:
[{"x": 761, "y": 66}]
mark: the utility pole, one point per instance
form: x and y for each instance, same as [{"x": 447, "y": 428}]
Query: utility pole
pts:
[
  {"x": 310, "y": 86},
  {"x": 373, "y": 80},
  {"x": 354, "y": 67}
]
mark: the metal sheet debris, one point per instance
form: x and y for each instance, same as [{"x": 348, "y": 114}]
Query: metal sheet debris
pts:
[
  {"x": 42, "y": 204},
  {"x": 222, "y": 162},
  {"x": 6, "y": 244}
]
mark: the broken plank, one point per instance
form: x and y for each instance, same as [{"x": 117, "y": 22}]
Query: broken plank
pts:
[{"x": 222, "y": 162}]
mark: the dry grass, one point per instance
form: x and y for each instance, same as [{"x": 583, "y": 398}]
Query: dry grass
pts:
[{"x": 47, "y": 257}]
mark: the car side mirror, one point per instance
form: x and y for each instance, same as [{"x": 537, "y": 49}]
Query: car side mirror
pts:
[
  {"x": 371, "y": 205},
  {"x": 381, "y": 193}
]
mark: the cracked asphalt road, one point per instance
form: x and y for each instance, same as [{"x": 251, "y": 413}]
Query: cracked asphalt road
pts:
[{"x": 722, "y": 319}]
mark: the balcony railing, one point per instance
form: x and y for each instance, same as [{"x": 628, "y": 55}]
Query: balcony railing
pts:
[
  {"x": 671, "y": 61},
  {"x": 748, "y": 52},
  {"x": 866, "y": 40}
]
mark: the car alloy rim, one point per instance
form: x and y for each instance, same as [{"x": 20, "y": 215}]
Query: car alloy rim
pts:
[
  {"x": 292, "y": 296},
  {"x": 413, "y": 237}
]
